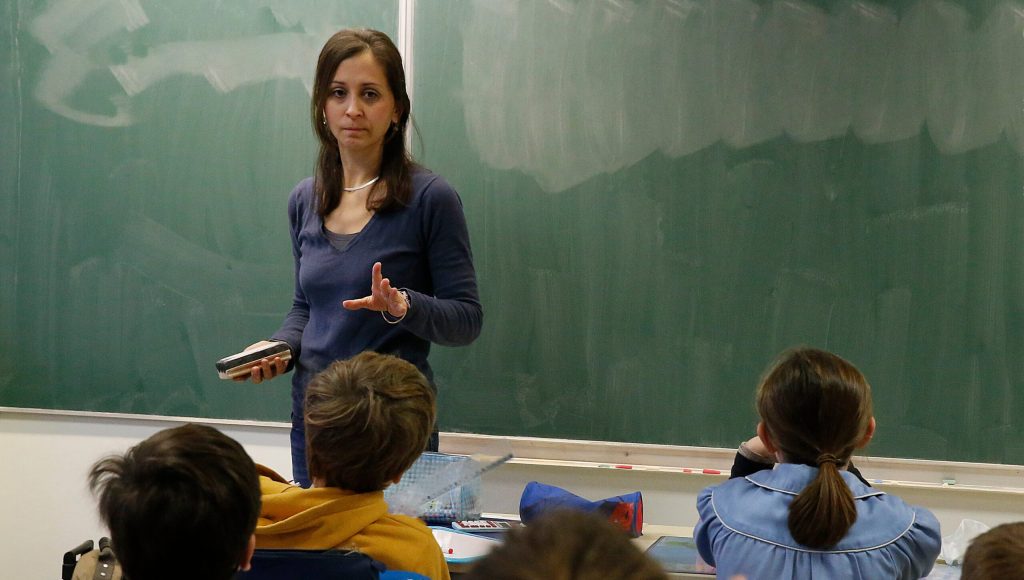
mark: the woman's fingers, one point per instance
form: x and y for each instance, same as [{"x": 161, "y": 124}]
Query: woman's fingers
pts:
[
  {"x": 382, "y": 295},
  {"x": 358, "y": 303},
  {"x": 267, "y": 369},
  {"x": 375, "y": 276}
]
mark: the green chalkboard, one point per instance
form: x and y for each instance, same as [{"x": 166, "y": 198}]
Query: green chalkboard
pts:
[
  {"x": 148, "y": 151},
  {"x": 665, "y": 195},
  {"x": 661, "y": 197}
]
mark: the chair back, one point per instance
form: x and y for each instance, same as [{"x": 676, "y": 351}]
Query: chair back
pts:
[
  {"x": 311, "y": 565},
  {"x": 400, "y": 575}
]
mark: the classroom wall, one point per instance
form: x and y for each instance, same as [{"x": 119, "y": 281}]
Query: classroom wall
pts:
[
  {"x": 46, "y": 506},
  {"x": 48, "y": 510}
]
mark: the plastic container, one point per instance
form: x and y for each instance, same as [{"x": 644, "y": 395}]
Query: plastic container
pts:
[{"x": 457, "y": 479}]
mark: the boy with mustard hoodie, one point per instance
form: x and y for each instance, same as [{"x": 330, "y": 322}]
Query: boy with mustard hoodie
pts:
[{"x": 367, "y": 420}]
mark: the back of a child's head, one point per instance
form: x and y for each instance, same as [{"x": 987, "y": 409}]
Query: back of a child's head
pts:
[
  {"x": 367, "y": 420},
  {"x": 181, "y": 504},
  {"x": 996, "y": 554},
  {"x": 567, "y": 545},
  {"x": 816, "y": 408}
]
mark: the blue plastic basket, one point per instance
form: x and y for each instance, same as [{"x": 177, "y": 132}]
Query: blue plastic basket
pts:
[{"x": 461, "y": 503}]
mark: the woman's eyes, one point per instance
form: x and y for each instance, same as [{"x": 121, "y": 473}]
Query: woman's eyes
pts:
[{"x": 369, "y": 95}]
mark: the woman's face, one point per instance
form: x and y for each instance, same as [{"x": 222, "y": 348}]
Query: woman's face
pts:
[{"x": 360, "y": 106}]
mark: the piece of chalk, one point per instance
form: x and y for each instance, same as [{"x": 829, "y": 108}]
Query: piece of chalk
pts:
[
  {"x": 624, "y": 467},
  {"x": 711, "y": 471},
  {"x": 948, "y": 482}
]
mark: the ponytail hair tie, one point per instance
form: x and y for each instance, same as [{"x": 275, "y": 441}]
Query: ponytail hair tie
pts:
[{"x": 828, "y": 458}]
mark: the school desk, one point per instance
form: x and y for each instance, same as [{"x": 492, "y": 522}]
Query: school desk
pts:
[{"x": 651, "y": 534}]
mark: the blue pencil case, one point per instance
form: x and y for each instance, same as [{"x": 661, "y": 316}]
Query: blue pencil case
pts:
[{"x": 624, "y": 511}]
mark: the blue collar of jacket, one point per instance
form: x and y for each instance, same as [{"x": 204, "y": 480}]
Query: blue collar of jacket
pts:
[
  {"x": 792, "y": 478},
  {"x": 757, "y": 506}
]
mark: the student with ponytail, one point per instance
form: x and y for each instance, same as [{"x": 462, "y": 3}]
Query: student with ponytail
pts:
[{"x": 810, "y": 516}]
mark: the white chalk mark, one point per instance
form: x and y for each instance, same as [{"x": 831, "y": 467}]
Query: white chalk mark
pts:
[
  {"x": 68, "y": 29},
  {"x": 922, "y": 212},
  {"x": 71, "y": 30},
  {"x": 226, "y": 64},
  {"x": 568, "y": 91}
]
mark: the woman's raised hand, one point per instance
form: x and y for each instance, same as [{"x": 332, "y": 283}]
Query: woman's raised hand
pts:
[{"x": 382, "y": 296}]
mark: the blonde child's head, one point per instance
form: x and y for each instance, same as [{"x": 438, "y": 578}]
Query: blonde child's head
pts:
[
  {"x": 998, "y": 553},
  {"x": 567, "y": 545},
  {"x": 367, "y": 420}
]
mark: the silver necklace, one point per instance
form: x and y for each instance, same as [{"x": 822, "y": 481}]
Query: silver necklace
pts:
[{"x": 363, "y": 186}]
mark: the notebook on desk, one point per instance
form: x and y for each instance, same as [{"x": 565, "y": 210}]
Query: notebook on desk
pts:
[{"x": 677, "y": 554}]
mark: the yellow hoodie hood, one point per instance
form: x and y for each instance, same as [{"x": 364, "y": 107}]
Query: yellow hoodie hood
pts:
[
  {"x": 327, "y": 517},
  {"x": 294, "y": 517}
]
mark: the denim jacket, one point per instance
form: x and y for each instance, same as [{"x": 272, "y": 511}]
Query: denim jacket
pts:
[{"x": 743, "y": 530}]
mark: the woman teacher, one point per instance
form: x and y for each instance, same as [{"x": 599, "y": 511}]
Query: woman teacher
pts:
[{"x": 370, "y": 217}]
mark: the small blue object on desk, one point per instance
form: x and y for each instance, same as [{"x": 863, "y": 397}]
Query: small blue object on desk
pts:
[{"x": 677, "y": 554}]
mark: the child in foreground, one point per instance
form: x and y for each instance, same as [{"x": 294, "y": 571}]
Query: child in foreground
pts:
[
  {"x": 809, "y": 517},
  {"x": 567, "y": 545},
  {"x": 367, "y": 420},
  {"x": 998, "y": 554},
  {"x": 180, "y": 504}
]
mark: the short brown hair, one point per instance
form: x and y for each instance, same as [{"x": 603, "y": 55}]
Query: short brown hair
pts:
[
  {"x": 567, "y": 545},
  {"x": 816, "y": 407},
  {"x": 190, "y": 489},
  {"x": 367, "y": 420},
  {"x": 998, "y": 553}
]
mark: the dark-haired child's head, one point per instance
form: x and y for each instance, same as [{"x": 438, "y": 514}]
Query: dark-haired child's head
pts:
[
  {"x": 815, "y": 410},
  {"x": 181, "y": 504},
  {"x": 815, "y": 405},
  {"x": 367, "y": 420},
  {"x": 996, "y": 554},
  {"x": 567, "y": 545}
]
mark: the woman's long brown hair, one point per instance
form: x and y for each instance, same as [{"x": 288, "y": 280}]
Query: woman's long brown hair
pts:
[{"x": 395, "y": 185}]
